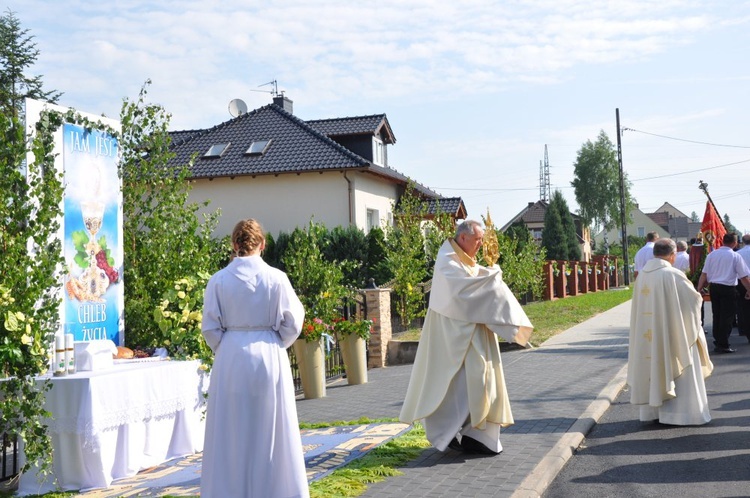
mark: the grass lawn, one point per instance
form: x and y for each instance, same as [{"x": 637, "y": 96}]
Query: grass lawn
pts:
[{"x": 552, "y": 317}]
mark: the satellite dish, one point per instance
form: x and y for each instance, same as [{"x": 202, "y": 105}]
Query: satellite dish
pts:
[{"x": 237, "y": 107}]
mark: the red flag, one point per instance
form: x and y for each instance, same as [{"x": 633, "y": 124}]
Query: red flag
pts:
[{"x": 712, "y": 228}]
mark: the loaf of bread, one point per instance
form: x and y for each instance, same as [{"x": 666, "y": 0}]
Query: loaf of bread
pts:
[{"x": 123, "y": 353}]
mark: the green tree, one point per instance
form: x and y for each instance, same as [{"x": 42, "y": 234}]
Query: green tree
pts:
[
  {"x": 568, "y": 226},
  {"x": 18, "y": 53},
  {"x": 522, "y": 263},
  {"x": 29, "y": 279},
  {"x": 729, "y": 227},
  {"x": 377, "y": 268},
  {"x": 553, "y": 235},
  {"x": 520, "y": 233},
  {"x": 319, "y": 283},
  {"x": 30, "y": 199},
  {"x": 436, "y": 230},
  {"x": 406, "y": 256},
  {"x": 165, "y": 239},
  {"x": 597, "y": 183},
  {"x": 694, "y": 217},
  {"x": 348, "y": 244}
]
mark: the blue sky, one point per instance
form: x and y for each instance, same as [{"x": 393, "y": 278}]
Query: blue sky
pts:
[{"x": 473, "y": 90}]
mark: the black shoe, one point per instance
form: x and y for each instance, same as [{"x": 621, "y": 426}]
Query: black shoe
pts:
[
  {"x": 471, "y": 445},
  {"x": 455, "y": 445},
  {"x": 717, "y": 349}
]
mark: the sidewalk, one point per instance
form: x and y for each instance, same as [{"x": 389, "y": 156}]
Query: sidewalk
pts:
[{"x": 557, "y": 393}]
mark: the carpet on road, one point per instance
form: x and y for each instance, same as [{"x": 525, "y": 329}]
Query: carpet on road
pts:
[{"x": 326, "y": 449}]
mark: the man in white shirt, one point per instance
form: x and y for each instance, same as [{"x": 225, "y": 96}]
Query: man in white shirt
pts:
[
  {"x": 682, "y": 260},
  {"x": 645, "y": 253},
  {"x": 722, "y": 269},
  {"x": 743, "y": 305}
]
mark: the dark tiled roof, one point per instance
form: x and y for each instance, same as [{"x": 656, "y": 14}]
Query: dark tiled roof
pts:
[
  {"x": 357, "y": 125},
  {"x": 295, "y": 147},
  {"x": 661, "y": 219},
  {"x": 534, "y": 212},
  {"x": 451, "y": 205}
]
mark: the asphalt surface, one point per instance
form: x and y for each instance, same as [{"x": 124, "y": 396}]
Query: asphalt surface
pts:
[{"x": 623, "y": 457}]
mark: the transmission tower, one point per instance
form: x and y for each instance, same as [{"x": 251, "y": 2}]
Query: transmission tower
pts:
[{"x": 544, "y": 188}]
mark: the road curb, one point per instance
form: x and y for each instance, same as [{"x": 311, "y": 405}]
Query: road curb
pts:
[{"x": 547, "y": 469}]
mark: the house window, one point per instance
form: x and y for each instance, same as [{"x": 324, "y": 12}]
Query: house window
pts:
[
  {"x": 641, "y": 231},
  {"x": 378, "y": 151},
  {"x": 257, "y": 148},
  {"x": 216, "y": 150},
  {"x": 389, "y": 218},
  {"x": 536, "y": 233},
  {"x": 373, "y": 219}
]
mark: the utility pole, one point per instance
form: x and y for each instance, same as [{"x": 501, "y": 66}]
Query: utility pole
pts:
[{"x": 624, "y": 230}]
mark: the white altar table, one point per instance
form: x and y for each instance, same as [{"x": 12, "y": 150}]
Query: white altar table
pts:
[{"x": 111, "y": 423}]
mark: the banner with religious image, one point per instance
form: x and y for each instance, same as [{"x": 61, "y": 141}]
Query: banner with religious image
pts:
[
  {"x": 92, "y": 297},
  {"x": 93, "y": 235}
]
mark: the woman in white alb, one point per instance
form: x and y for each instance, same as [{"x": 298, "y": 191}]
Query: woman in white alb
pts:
[{"x": 251, "y": 315}]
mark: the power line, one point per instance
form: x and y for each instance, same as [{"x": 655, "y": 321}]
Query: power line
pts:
[
  {"x": 686, "y": 140},
  {"x": 691, "y": 171}
]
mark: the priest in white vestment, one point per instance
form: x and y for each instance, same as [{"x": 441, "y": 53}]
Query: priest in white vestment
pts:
[
  {"x": 251, "y": 314},
  {"x": 457, "y": 388},
  {"x": 668, "y": 356}
]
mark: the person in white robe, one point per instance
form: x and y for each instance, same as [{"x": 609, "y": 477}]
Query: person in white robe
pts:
[
  {"x": 667, "y": 355},
  {"x": 457, "y": 387},
  {"x": 251, "y": 314}
]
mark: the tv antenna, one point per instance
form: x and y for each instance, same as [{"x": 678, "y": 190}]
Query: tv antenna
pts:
[
  {"x": 237, "y": 107},
  {"x": 274, "y": 88}
]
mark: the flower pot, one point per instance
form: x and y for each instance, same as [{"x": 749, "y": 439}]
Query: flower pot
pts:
[
  {"x": 353, "y": 350},
  {"x": 312, "y": 371}
]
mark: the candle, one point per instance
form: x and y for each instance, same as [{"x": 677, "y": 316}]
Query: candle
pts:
[
  {"x": 60, "y": 365},
  {"x": 70, "y": 360}
]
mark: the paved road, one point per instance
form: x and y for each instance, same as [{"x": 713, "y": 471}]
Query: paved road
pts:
[{"x": 623, "y": 457}]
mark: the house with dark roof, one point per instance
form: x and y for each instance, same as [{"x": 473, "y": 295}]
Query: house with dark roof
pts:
[
  {"x": 270, "y": 165},
  {"x": 675, "y": 222},
  {"x": 639, "y": 225},
  {"x": 532, "y": 216}
]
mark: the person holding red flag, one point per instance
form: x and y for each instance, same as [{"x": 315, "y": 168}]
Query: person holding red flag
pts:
[{"x": 722, "y": 270}]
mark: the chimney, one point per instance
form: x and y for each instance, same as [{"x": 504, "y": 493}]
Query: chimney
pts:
[{"x": 283, "y": 102}]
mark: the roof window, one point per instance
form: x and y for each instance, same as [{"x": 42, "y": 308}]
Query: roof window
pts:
[
  {"x": 258, "y": 148},
  {"x": 216, "y": 150}
]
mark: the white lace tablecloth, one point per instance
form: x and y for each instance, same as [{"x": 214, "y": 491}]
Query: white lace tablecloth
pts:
[{"x": 111, "y": 423}]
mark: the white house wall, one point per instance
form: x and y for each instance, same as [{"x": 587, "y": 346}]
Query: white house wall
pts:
[
  {"x": 285, "y": 202},
  {"x": 372, "y": 192}
]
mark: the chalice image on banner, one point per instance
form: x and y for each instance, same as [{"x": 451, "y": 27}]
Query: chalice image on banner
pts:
[
  {"x": 92, "y": 213},
  {"x": 93, "y": 258}
]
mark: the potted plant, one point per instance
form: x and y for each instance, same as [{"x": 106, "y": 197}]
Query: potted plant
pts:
[
  {"x": 353, "y": 336},
  {"x": 308, "y": 350}
]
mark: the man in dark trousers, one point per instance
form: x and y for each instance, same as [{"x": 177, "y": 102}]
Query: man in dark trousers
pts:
[
  {"x": 743, "y": 305},
  {"x": 722, "y": 270}
]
